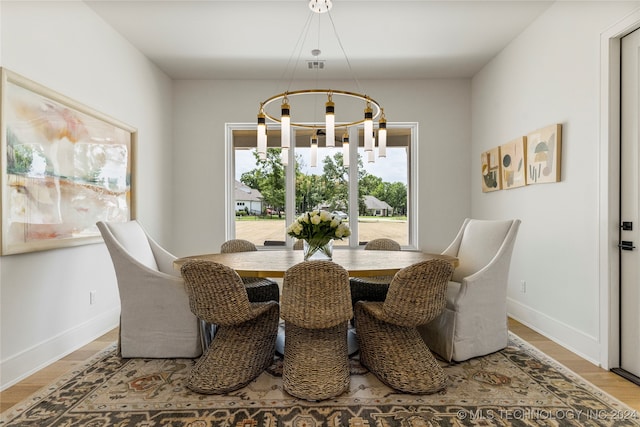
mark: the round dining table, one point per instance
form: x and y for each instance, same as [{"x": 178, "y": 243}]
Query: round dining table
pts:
[{"x": 357, "y": 262}]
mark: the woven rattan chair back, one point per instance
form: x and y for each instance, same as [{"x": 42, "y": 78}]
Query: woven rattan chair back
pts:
[
  {"x": 216, "y": 293},
  {"x": 417, "y": 294},
  {"x": 373, "y": 288},
  {"x": 259, "y": 289},
  {"x": 298, "y": 245},
  {"x": 315, "y": 294},
  {"x": 237, "y": 245},
  {"x": 382, "y": 244}
]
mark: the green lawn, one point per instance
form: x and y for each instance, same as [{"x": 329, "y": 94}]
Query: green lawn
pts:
[
  {"x": 361, "y": 217},
  {"x": 258, "y": 218}
]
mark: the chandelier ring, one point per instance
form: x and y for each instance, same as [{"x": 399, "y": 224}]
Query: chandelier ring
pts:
[{"x": 375, "y": 106}]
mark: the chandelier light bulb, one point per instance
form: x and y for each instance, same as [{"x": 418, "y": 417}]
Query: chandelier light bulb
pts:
[
  {"x": 314, "y": 151},
  {"x": 368, "y": 128},
  {"x": 382, "y": 137},
  {"x": 285, "y": 120},
  {"x": 330, "y": 121},
  {"x": 345, "y": 149},
  {"x": 262, "y": 136}
]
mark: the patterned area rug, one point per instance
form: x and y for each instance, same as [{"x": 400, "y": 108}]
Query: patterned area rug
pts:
[{"x": 515, "y": 386}]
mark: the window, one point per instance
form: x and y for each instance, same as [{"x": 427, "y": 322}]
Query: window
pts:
[{"x": 378, "y": 203}]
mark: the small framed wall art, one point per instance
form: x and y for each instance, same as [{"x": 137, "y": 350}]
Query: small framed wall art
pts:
[
  {"x": 513, "y": 162},
  {"x": 490, "y": 164},
  {"x": 544, "y": 148},
  {"x": 64, "y": 166}
]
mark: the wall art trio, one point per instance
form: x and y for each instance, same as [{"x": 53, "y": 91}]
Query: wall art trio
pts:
[{"x": 531, "y": 159}]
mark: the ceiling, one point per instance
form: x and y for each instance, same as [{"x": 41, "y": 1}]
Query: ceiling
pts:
[{"x": 264, "y": 39}]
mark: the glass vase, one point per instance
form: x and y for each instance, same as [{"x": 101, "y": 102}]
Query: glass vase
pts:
[{"x": 318, "y": 250}]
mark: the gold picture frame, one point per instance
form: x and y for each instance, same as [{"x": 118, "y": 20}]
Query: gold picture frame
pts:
[
  {"x": 513, "y": 160},
  {"x": 544, "y": 155},
  {"x": 490, "y": 167},
  {"x": 65, "y": 166}
]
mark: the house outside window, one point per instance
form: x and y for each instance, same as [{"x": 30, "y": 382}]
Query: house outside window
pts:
[{"x": 248, "y": 200}]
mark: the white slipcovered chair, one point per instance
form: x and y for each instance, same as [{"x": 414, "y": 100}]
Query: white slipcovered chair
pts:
[
  {"x": 474, "y": 321},
  {"x": 155, "y": 318}
]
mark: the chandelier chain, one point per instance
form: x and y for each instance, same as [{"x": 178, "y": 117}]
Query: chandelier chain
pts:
[
  {"x": 297, "y": 47},
  {"x": 335, "y": 32},
  {"x": 372, "y": 111}
]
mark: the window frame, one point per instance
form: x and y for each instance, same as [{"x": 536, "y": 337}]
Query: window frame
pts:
[{"x": 412, "y": 184}]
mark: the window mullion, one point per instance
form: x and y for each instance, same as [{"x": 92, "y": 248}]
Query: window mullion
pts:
[
  {"x": 290, "y": 186},
  {"x": 353, "y": 187}
]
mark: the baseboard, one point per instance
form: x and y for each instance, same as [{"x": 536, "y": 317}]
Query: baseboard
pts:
[
  {"x": 574, "y": 340},
  {"x": 21, "y": 365}
]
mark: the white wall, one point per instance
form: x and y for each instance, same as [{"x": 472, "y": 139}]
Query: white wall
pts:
[
  {"x": 44, "y": 296},
  {"x": 550, "y": 74},
  {"x": 441, "y": 107}
]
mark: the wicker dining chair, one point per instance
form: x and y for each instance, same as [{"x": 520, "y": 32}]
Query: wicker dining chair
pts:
[
  {"x": 316, "y": 308},
  {"x": 390, "y": 345},
  {"x": 245, "y": 341},
  {"x": 373, "y": 288},
  {"x": 259, "y": 289}
]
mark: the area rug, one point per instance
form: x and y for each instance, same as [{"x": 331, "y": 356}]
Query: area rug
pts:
[{"x": 516, "y": 386}]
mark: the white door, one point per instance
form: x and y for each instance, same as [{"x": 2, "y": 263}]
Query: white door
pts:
[{"x": 630, "y": 206}]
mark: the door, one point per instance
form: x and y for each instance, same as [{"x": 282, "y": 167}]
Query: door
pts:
[{"x": 629, "y": 208}]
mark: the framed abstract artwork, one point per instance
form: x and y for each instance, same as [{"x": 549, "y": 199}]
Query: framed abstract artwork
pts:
[
  {"x": 490, "y": 164},
  {"x": 544, "y": 148},
  {"x": 513, "y": 162},
  {"x": 64, "y": 167}
]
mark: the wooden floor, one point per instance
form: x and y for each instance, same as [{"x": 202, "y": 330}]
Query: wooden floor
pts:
[
  {"x": 46, "y": 376},
  {"x": 613, "y": 384}
]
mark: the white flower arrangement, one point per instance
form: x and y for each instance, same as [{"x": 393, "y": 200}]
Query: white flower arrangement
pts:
[{"x": 318, "y": 228}]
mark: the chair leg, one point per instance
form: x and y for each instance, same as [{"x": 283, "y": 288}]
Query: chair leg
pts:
[
  {"x": 207, "y": 332},
  {"x": 237, "y": 355},
  {"x": 397, "y": 355},
  {"x": 316, "y": 363}
]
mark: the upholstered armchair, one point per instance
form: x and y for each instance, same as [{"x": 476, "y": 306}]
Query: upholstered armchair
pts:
[
  {"x": 390, "y": 345},
  {"x": 259, "y": 289},
  {"x": 245, "y": 341},
  {"x": 373, "y": 288},
  {"x": 155, "y": 319},
  {"x": 474, "y": 321},
  {"x": 316, "y": 308}
]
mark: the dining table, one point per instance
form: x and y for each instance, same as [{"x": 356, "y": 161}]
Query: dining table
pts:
[
  {"x": 273, "y": 263},
  {"x": 358, "y": 262}
]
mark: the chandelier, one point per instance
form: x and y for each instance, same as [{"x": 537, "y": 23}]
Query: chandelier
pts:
[{"x": 372, "y": 110}]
